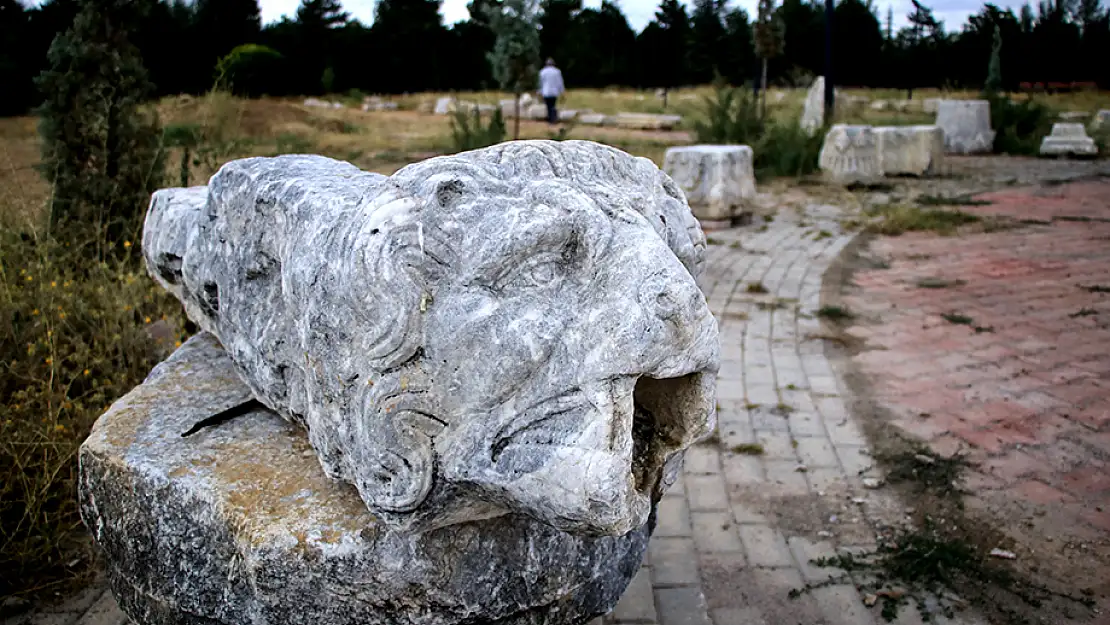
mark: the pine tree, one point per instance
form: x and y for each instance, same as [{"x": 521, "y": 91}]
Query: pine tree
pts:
[
  {"x": 515, "y": 56},
  {"x": 768, "y": 44},
  {"x": 994, "y": 68},
  {"x": 101, "y": 149}
]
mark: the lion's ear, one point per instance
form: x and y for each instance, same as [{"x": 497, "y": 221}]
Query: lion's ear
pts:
[
  {"x": 449, "y": 192},
  {"x": 398, "y": 479}
]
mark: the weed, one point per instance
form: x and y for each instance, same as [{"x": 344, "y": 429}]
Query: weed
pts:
[
  {"x": 751, "y": 406},
  {"x": 756, "y": 287},
  {"x": 952, "y": 200},
  {"x": 1096, "y": 288},
  {"x": 712, "y": 241},
  {"x": 734, "y": 245},
  {"x": 928, "y": 473},
  {"x": 824, "y": 234},
  {"x": 834, "y": 313},
  {"x": 933, "y": 282},
  {"x": 290, "y": 143},
  {"x": 791, "y": 387},
  {"x": 783, "y": 409},
  {"x": 774, "y": 305},
  {"x": 957, "y": 318},
  {"x": 468, "y": 132},
  {"x": 899, "y": 219},
  {"x": 748, "y": 449},
  {"x": 1083, "y": 312},
  {"x": 1019, "y": 126}
]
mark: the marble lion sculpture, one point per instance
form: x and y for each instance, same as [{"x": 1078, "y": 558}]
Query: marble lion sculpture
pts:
[{"x": 513, "y": 329}]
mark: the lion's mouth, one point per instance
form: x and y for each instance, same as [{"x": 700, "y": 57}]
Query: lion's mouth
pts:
[{"x": 641, "y": 418}]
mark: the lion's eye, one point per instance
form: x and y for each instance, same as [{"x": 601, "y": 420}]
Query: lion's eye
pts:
[{"x": 540, "y": 271}]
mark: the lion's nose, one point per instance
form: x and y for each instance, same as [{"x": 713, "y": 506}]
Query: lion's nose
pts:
[{"x": 671, "y": 297}]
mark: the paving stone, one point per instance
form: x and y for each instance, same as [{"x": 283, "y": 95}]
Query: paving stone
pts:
[
  {"x": 682, "y": 606},
  {"x": 105, "y": 612},
  {"x": 786, "y": 478},
  {"x": 637, "y": 605},
  {"x": 673, "y": 517},
  {"x": 738, "y": 616},
  {"x": 702, "y": 460},
  {"x": 855, "y": 460},
  {"x": 765, "y": 546},
  {"x": 706, "y": 492},
  {"x": 715, "y": 532},
  {"x": 842, "y": 605},
  {"x": 816, "y": 453},
  {"x": 742, "y": 469},
  {"x": 806, "y": 551},
  {"x": 674, "y": 562}
]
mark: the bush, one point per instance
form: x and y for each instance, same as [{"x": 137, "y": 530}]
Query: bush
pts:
[
  {"x": 731, "y": 117},
  {"x": 779, "y": 148},
  {"x": 468, "y": 133},
  {"x": 74, "y": 335},
  {"x": 251, "y": 70},
  {"x": 785, "y": 149},
  {"x": 1019, "y": 126}
]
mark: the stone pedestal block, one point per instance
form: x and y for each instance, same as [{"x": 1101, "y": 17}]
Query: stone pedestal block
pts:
[
  {"x": 718, "y": 180},
  {"x": 647, "y": 121},
  {"x": 1101, "y": 120},
  {"x": 1068, "y": 139},
  {"x": 237, "y": 523},
  {"x": 850, "y": 155},
  {"x": 966, "y": 125},
  {"x": 912, "y": 150}
]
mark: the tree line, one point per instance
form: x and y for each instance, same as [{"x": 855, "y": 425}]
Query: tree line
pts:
[{"x": 408, "y": 48}]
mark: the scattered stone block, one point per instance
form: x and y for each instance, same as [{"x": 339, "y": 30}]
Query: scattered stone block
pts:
[
  {"x": 1101, "y": 120},
  {"x": 966, "y": 125},
  {"x": 879, "y": 105},
  {"x": 647, "y": 121},
  {"x": 718, "y": 180},
  {"x": 594, "y": 119},
  {"x": 930, "y": 105},
  {"x": 1068, "y": 139},
  {"x": 850, "y": 155},
  {"x": 444, "y": 105},
  {"x": 318, "y": 103},
  {"x": 1070, "y": 116},
  {"x": 375, "y": 103},
  {"x": 912, "y": 150},
  {"x": 813, "y": 111}
]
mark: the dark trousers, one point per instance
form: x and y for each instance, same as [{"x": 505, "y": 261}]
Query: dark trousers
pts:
[{"x": 552, "y": 114}]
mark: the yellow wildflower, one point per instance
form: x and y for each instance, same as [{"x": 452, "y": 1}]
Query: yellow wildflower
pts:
[
  {"x": 34, "y": 312},
  {"x": 49, "y": 361},
  {"x": 61, "y": 315},
  {"x": 86, "y": 372},
  {"x": 177, "y": 344},
  {"x": 29, "y": 278},
  {"x": 127, "y": 243},
  {"x": 53, "y": 284},
  {"x": 146, "y": 319},
  {"x": 59, "y": 427}
]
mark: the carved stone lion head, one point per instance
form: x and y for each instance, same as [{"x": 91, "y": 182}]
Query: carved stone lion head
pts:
[{"x": 514, "y": 329}]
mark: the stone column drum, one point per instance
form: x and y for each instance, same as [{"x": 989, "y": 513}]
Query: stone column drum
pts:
[
  {"x": 850, "y": 155},
  {"x": 910, "y": 150},
  {"x": 1068, "y": 139},
  {"x": 966, "y": 125},
  {"x": 718, "y": 180},
  {"x": 411, "y": 402}
]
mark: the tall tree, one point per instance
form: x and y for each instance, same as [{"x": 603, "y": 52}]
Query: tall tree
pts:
[
  {"x": 556, "y": 23},
  {"x": 221, "y": 25},
  {"x": 408, "y": 37},
  {"x": 708, "y": 40},
  {"x": 769, "y": 43},
  {"x": 741, "y": 57},
  {"x": 514, "y": 58},
  {"x": 15, "y": 73},
  {"x": 857, "y": 45},
  {"x": 673, "y": 44},
  {"x": 100, "y": 149}
]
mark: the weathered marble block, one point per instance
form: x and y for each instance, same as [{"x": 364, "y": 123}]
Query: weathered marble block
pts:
[
  {"x": 718, "y": 180},
  {"x": 1101, "y": 120},
  {"x": 646, "y": 121},
  {"x": 1068, "y": 139},
  {"x": 237, "y": 524},
  {"x": 930, "y": 105},
  {"x": 912, "y": 150},
  {"x": 813, "y": 110},
  {"x": 966, "y": 125},
  {"x": 850, "y": 155}
]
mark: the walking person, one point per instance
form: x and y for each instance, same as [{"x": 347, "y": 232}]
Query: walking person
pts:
[{"x": 551, "y": 87}]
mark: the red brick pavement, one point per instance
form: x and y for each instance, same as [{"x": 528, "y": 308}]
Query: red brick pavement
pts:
[{"x": 1024, "y": 388}]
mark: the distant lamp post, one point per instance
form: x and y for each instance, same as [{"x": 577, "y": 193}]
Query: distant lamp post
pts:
[{"x": 829, "y": 103}]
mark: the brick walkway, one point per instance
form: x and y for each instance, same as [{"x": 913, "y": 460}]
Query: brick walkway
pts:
[
  {"x": 1021, "y": 383},
  {"x": 738, "y": 532}
]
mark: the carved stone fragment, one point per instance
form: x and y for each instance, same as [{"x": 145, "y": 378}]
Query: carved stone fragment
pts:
[{"x": 718, "y": 180}]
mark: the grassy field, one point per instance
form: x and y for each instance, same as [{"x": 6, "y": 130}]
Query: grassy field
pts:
[{"x": 385, "y": 141}]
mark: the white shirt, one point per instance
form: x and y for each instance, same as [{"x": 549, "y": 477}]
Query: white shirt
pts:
[{"x": 551, "y": 82}]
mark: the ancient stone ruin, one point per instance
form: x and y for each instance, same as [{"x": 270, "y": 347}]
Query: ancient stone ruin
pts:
[
  {"x": 910, "y": 150},
  {"x": 412, "y": 402},
  {"x": 850, "y": 155},
  {"x": 813, "y": 111},
  {"x": 1068, "y": 139},
  {"x": 966, "y": 125},
  {"x": 718, "y": 180}
]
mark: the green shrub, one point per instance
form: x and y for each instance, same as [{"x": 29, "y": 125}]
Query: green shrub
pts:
[
  {"x": 251, "y": 70},
  {"x": 780, "y": 148},
  {"x": 731, "y": 117},
  {"x": 1019, "y": 126},
  {"x": 468, "y": 132},
  {"x": 74, "y": 336},
  {"x": 785, "y": 149}
]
